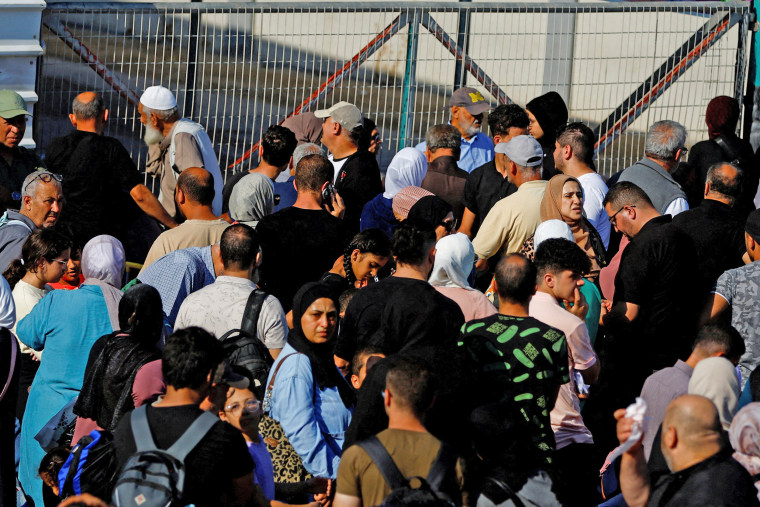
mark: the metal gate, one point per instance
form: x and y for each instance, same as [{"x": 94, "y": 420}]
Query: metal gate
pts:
[{"x": 239, "y": 67}]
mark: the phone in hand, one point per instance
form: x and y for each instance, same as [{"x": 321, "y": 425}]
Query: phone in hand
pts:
[{"x": 327, "y": 195}]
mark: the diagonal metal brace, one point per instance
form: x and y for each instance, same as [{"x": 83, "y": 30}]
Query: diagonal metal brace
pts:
[
  {"x": 346, "y": 70},
  {"x": 673, "y": 68},
  {"x": 473, "y": 68}
]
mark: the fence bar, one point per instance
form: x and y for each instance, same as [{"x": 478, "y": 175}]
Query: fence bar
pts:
[
  {"x": 469, "y": 65},
  {"x": 349, "y": 67},
  {"x": 87, "y": 56},
  {"x": 410, "y": 77},
  {"x": 663, "y": 78}
]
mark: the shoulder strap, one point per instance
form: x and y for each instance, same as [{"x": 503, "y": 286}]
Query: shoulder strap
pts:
[
  {"x": 384, "y": 462},
  {"x": 725, "y": 148},
  {"x": 252, "y": 311},
  {"x": 193, "y": 435},
  {"x": 141, "y": 429},
  {"x": 441, "y": 466},
  {"x": 509, "y": 491},
  {"x": 274, "y": 375},
  {"x": 12, "y": 367}
]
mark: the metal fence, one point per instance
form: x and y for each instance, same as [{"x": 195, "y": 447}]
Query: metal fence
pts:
[{"x": 239, "y": 67}]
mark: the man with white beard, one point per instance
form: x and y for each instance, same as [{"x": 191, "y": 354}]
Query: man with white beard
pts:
[
  {"x": 467, "y": 108},
  {"x": 175, "y": 144}
]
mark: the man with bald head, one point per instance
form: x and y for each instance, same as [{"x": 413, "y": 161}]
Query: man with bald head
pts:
[
  {"x": 714, "y": 226},
  {"x": 193, "y": 198},
  {"x": 104, "y": 191},
  {"x": 702, "y": 469}
]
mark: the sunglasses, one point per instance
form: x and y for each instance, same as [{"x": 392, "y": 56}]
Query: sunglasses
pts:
[
  {"x": 449, "y": 225},
  {"x": 45, "y": 177}
]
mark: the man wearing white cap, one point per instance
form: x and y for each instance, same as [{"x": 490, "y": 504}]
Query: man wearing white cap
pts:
[
  {"x": 16, "y": 162},
  {"x": 174, "y": 144},
  {"x": 357, "y": 175},
  {"x": 513, "y": 219},
  {"x": 467, "y": 108}
]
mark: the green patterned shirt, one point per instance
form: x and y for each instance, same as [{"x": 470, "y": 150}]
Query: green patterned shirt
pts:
[{"x": 520, "y": 361}]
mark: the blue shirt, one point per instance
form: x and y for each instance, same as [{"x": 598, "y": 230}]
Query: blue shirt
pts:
[
  {"x": 473, "y": 152},
  {"x": 263, "y": 472},
  {"x": 178, "y": 274},
  {"x": 314, "y": 420}
]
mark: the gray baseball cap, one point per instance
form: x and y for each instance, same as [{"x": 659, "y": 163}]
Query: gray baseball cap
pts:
[
  {"x": 344, "y": 113},
  {"x": 522, "y": 150},
  {"x": 470, "y": 99},
  {"x": 12, "y": 104}
]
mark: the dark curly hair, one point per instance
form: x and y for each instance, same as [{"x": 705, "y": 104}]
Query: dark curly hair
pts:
[
  {"x": 190, "y": 354},
  {"x": 506, "y": 116},
  {"x": 557, "y": 255}
]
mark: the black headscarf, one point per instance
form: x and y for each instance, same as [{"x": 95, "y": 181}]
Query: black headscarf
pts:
[
  {"x": 320, "y": 355},
  {"x": 430, "y": 209},
  {"x": 114, "y": 359}
]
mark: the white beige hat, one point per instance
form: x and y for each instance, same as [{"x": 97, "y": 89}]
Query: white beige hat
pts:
[{"x": 158, "y": 98}]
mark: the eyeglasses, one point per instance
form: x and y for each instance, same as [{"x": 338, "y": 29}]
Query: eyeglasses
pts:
[
  {"x": 251, "y": 405},
  {"x": 45, "y": 177},
  {"x": 449, "y": 225},
  {"x": 62, "y": 263},
  {"x": 375, "y": 138},
  {"x": 612, "y": 218},
  {"x": 684, "y": 150}
]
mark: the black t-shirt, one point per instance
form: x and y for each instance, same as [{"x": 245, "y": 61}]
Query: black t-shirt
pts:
[
  {"x": 398, "y": 313},
  {"x": 357, "y": 183},
  {"x": 658, "y": 272},
  {"x": 717, "y": 232},
  {"x": 210, "y": 467},
  {"x": 485, "y": 187},
  {"x": 298, "y": 246},
  {"x": 98, "y": 175},
  {"x": 227, "y": 190},
  {"x": 717, "y": 481}
]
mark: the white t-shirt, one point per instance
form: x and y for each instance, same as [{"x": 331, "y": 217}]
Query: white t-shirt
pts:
[
  {"x": 337, "y": 165},
  {"x": 26, "y": 296},
  {"x": 594, "y": 191}
]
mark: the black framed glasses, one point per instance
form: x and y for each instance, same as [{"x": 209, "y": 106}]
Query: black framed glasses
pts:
[
  {"x": 45, "y": 177},
  {"x": 612, "y": 218}
]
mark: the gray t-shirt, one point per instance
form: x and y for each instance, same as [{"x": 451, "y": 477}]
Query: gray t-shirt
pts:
[
  {"x": 219, "y": 307},
  {"x": 740, "y": 287},
  {"x": 537, "y": 491}
]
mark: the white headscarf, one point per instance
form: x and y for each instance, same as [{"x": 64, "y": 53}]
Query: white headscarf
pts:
[
  {"x": 715, "y": 379},
  {"x": 407, "y": 169},
  {"x": 454, "y": 259},
  {"x": 103, "y": 261}
]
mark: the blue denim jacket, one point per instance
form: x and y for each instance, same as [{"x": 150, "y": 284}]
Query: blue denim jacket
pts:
[{"x": 314, "y": 420}]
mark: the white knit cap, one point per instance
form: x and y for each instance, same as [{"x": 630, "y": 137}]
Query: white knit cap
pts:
[
  {"x": 551, "y": 229},
  {"x": 158, "y": 98}
]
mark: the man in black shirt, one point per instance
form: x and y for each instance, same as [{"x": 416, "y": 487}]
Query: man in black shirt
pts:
[
  {"x": 444, "y": 178},
  {"x": 702, "y": 470},
  {"x": 276, "y": 149},
  {"x": 300, "y": 243},
  {"x": 220, "y": 464},
  {"x": 403, "y": 311},
  {"x": 714, "y": 226},
  {"x": 356, "y": 173},
  {"x": 104, "y": 191},
  {"x": 652, "y": 321},
  {"x": 487, "y": 184}
]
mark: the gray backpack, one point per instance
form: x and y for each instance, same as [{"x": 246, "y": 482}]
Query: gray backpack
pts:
[{"x": 153, "y": 477}]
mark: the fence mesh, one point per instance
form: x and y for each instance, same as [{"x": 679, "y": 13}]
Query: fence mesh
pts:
[{"x": 238, "y": 68}]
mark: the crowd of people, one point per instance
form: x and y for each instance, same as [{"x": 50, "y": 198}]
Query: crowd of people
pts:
[{"x": 490, "y": 322}]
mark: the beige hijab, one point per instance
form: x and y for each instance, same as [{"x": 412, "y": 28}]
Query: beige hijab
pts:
[{"x": 550, "y": 210}]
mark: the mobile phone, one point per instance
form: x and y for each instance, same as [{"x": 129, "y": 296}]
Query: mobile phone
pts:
[{"x": 327, "y": 195}]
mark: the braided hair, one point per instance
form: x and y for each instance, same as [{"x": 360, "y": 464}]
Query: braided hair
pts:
[{"x": 373, "y": 241}]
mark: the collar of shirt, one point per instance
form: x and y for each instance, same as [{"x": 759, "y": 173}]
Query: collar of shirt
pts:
[
  {"x": 545, "y": 298},
  {"x": 166, "y": 141},
  {"x": 235, "y": 280},
  {"x": 528, "y": 185},
  {"x": 685, "y": 368}
]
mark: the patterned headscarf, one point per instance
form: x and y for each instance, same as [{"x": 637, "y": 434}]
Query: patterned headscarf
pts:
[{"x": 745, "y": 438}]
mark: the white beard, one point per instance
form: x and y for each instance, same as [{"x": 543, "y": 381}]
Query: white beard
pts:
[
  {"x": 152, "y": 135},
  {"x": 472, "y": 129}
]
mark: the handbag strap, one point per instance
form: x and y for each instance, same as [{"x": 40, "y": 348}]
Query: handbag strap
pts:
[
  {"x": 274, "y": 375},
  {"x": 12, "y": 367},
  {"x": 441, "y": 466},
  {"x": 384, "y": 462}
]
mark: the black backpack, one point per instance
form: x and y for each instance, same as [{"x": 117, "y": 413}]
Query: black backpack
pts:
[
  {"x": 90, "y": 468},
  {"x": 402, "y": 493},
  {"x": 154, "y": 477},
  {"x": 242, "y": 346}
]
